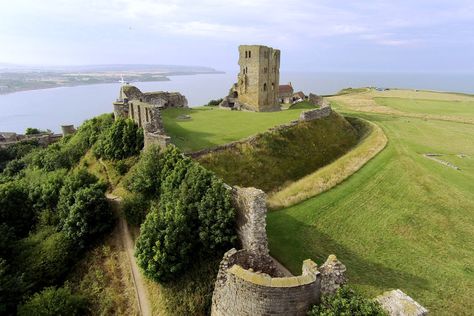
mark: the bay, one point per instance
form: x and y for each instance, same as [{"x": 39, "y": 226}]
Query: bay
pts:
[{"x": 51, "y": 108}]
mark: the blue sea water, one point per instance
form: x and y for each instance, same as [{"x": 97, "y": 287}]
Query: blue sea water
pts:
[{"x": 50, "y": 108}]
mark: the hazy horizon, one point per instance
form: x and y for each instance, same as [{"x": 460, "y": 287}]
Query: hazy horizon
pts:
[{"x": 332, "y": 36}]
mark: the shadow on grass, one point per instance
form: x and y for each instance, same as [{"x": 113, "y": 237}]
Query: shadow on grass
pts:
[{"x": 291, "y": 242}]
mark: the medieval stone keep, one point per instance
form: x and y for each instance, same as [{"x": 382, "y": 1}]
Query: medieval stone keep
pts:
[
  {"x": 258, "y": 80},
  {"x": 144, "y": 109}
]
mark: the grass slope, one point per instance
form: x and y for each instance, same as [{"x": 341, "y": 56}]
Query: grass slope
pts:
[
  {"x": 372, "y": 141},
  {"x": 402, "y": 221},
  {"x": 210, "y": 126},
  {"x": 276, "y": 157}
]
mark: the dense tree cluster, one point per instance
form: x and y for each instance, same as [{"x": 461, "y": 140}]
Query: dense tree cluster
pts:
[
  {"x": 50, "y": 209},
  {"x": 191, "y": 213},
  {"x": 16, "y": 151},
  {"x": 121, "y": 140}
]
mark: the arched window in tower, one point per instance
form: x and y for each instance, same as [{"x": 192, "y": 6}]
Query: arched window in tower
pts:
[
  {"x": 246, "y": 70},
  {"x": 250, "y": 54},
  {"x": 265, "y": 86},
  {"x": 273, "y": 86}
]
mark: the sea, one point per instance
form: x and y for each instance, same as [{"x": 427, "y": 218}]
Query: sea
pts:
[{"x": 51, "y": 108}]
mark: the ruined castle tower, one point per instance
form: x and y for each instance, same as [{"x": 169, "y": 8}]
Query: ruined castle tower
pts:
[{"x": 258, "y": 79}]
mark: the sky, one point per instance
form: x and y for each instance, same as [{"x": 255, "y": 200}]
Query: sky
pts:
[{"x": 382, "y": 36}]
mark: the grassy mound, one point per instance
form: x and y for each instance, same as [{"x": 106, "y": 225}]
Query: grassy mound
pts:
[
  {"x": 372, "y": 141},
  {"x": 275, "y": 157},
  {"x": 209, "y": 126}
]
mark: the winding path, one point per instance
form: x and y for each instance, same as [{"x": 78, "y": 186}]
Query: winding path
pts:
[
  {"x": 141, "y": 292},
  {"x": 127, "y": 240}
]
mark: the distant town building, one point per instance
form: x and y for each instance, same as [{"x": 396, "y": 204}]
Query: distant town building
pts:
[{"x": 285, "y": 93}]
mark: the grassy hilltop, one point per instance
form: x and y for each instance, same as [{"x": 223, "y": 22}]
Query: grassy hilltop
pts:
[{"x": 403, "y": 220}]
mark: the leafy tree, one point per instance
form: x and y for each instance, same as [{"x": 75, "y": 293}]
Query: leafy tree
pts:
[
  {"x": 45, "y": 257},
  {"x": 11, "y": 288},
  {"x": 346, "y": 301},
  {"x": 16, "y": 210},
  {"x": 121, "y": 140},
  {"x": 145, "y": 176},
  {"x": 180, "y": 227},
  {"x": 7, "y": 239},
  {"x": 32, "y": 131},
  {"x": 54, "y": 301},
  {"x": 216, "y": 217},
  {"x": 135, "y": 208},
  {"x": 16, "y": 151},
  {"x": 82, "y": 207},
  {"x": 164, "y": 247}
]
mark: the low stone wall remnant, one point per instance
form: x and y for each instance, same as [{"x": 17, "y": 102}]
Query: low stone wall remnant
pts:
[
  {"x": 241, "y": 290},
  {"x": 397, "y": 303},
  {"x": 315, "y": 114}
]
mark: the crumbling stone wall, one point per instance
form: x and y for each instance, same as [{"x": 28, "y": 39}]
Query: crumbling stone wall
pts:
[
  {"x": 241, "y": 290},
  {"x": 315, "y": 114},
  {"x": 250, "y": 204},
  {"x": 250, "y": 283},
  {"x": 316, "y": 99},
  {"x": 144, "y": 109},
  {"x": 397, "y": 303},
  {"x": 333, "y": 275}
]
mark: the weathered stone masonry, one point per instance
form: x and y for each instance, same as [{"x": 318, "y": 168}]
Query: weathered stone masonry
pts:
[
  {"x": 144, "y": 109},
  {"x": 250, "y": 283}
]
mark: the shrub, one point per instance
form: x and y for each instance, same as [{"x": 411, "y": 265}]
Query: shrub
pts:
[
  {"x": 33, "y": 131},
  {"x": 15, "y": 209},
  {"x": 194, "y": 217},
  {"x": 16, "y": 151},
  {"x": 121, "y": 167},
  {"x": 135, "y": 208},
  {"x": 121, "y": 140},
  {"x": 54, "y": 301},
  {"x": 45, "y": 257},
  {"x": 145, "y": 176},
  {"x": 82, "y": 208},
  {"x": 214, "y": 102},
  {"x": 11, "y": 288},
  {"x": 346, "y": 301}
]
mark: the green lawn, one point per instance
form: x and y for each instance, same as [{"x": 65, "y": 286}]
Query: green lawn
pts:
[
  {"x": 210, "y": 126},
  {"x": 459, "y": 108},
  {"x": 402, "y": 221}
]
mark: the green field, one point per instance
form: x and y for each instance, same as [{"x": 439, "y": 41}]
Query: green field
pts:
[
  {"x": 403, "y": 220},
  {"x": 211, "y": 126},
  {"x": 441, "y": 107}
]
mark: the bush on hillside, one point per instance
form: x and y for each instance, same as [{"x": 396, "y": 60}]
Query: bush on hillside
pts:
[
  {"x": 44, "y": 257},
  {"x": 135, "y": 208},
  {"x": 194, "y": 217},
  {"x": 54, "y": 301},
  {"x": 68, "y": 151},
  {"x": 16, "y": 151},
  {"x": 121, "y": 140},
  {"x": 346, "y": 301},
  {"x": 152, "y": 169},
  {"x": 82, "y": 208},
  {"x": 11, "y": 288},
  {"x": 16, "y": 210}
]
